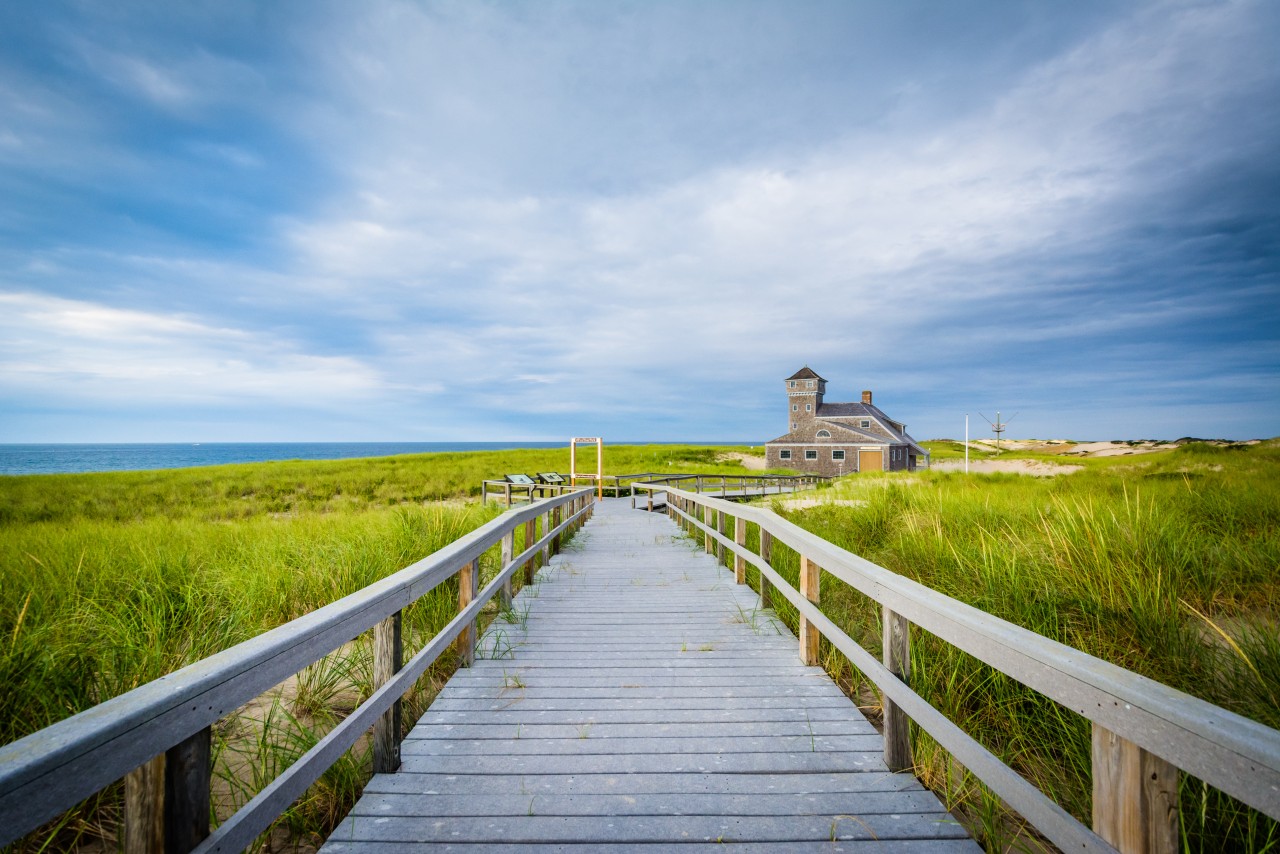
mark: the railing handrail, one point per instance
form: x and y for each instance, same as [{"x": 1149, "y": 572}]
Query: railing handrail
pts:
[
  {"x": 1239, "y": 756},
  {"x": 51, "y": 770}
]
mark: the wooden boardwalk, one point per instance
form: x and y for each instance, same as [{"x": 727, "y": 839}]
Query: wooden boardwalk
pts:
[{"x": 642, "y": 701}]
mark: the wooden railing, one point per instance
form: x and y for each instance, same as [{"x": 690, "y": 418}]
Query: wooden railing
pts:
[
  {"x": 617, "y": 485},
  {"x": 158, "y": 736},
  {"x": 1143, "y": 731}
]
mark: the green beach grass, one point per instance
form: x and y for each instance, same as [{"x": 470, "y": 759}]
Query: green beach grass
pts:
[
  {"x": 1167, "y": 564},
  {"x": 1164, "y": 563},
  {"x": 110, "y": 580}
]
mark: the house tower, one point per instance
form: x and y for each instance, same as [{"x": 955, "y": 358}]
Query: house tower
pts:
[{"x": 804, "y": 396}]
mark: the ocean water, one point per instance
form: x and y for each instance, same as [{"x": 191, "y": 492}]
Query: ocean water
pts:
[{"x": 62, "y": 459}]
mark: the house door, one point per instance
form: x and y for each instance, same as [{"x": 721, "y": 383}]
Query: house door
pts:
[{"x": 870, "y": 461}]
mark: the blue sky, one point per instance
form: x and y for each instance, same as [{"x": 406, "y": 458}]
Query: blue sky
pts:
[{"x": 487, "y": 221}]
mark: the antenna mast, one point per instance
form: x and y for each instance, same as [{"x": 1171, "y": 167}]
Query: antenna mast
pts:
[{"x": 998, "y": 426}]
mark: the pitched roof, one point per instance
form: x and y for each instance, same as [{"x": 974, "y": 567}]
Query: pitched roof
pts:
[{"x": 805, "y": 373}]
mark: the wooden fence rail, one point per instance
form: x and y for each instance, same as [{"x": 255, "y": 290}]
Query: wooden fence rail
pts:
[
  {"x": 617, "y": 484},
  {"x": 157, "y": 736},
  {"x": 1143, "y": 731}
]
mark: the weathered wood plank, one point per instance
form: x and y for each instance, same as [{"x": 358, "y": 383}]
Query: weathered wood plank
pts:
[
  {"x": 784, "y": 803},
  {"x": 791, "y": 846},
  {"x": 535, "y": 829},
  {"x": 641, "y": 783}
]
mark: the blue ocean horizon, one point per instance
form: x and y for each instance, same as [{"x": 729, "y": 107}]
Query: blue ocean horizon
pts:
[{"x": 19, "y": 459}]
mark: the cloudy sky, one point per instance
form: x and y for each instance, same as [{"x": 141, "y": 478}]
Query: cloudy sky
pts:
[{"x": 253, "y": 221}]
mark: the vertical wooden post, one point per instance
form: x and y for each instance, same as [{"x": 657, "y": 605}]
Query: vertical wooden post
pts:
[
  {"x": 544, "y": 525},
  {"x": 188, "y": 769},
  {"x": 555, "y": 523},
  {"x": 740, "y": 538},
  {"x": 506, "y": 489},
  {"x": 896, "y": 642},
  {"x": 530, "y": 537},
  {"x": 1135, "y": 796},
  {"x": 720, "y": 523},
  {"x": 388, "y": 656},
  {"x": 766, "y": 557},
  {"x": 810, "y": 573},
  {"x": 508, "y": 552},
  {"x": 468, "y": 587},
  {"x": 144, "y": 808},
  {"x": 708, "y": 519}
]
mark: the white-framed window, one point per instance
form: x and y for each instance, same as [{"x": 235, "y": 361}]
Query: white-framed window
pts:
[
  {"x": 808, "y": 407},
  {"x": 810, "y": 383},
  {"x": 793, "y": 425},
  {"x": 791, "y": 384},
  {"x": 795, "y": 407},
  {"x": 784, "y": 454},
  {"x": 864, "y": 423},
  {"x": 810, "y": 455},
  {"x": 824, "y": 434},
  {"x": 837, "y": 455}
]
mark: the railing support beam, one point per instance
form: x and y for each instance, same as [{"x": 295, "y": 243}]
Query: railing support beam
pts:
[
  {"x": 144, "y": 808},
  {"x": 388, "y": 656},
  {"x": 468, "y": 587},
  {"x": 739, "y": 538},
  {"x": 1135, "y": 796},
  {"x": 766, "y": 555},
  {"x": 810, "y": 573},
  {"x": 530, "y": 537},
  {"x": 897, "y": 657}
]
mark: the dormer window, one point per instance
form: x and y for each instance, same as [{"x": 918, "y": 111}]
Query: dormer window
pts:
[
  {"x": 865, "y": 423},
  {"x": 824, "y": 434}
]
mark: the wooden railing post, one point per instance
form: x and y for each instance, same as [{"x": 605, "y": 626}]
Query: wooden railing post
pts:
[
  {"x": 544, "y": 526},
  {"x": 708, "y": 520},
  {"x": 144, "y": 808},
  {"x": 766, "y": 557},
  {"x": 530, "y": 537},
  {"x": 188, "y": 773},
  {"x": 739, "y": 538},
  {"x": 555, "y": 523},
  {"x": 896, "y": 641},
  {"x": 388, "y": 655},
  {"x": 810, "y": 573},
  {"x": 1135, "y": 796},
  {"x": 508, "y": 552},
  {"x": 720, "y": 523},
  {"x": 468, "y": 587}
]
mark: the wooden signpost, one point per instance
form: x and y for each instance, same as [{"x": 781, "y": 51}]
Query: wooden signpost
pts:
[{"x": 573, "y": 461}]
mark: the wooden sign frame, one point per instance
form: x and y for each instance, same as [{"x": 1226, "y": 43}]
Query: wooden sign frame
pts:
[{"x": 573, "y": 461}]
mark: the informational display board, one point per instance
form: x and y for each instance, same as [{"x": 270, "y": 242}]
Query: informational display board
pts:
[
  {"x": 519, "y": 478},
  {"x": 573, "y": 461}
]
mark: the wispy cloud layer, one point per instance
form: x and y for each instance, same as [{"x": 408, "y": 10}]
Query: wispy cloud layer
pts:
[{"x": 485, "y": 221}]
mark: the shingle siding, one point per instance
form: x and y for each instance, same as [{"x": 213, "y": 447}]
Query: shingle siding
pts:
[{"x": 843, "y": 421}]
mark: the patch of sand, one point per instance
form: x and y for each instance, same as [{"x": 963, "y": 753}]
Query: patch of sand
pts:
[
  {"x": 749, "y": 462},
  {"x": 806, "y": 503},
  {"x": 1035, "y": 468}
]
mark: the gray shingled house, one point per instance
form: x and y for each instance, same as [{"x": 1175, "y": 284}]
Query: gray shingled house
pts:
[{"x": 839, "y": 438}]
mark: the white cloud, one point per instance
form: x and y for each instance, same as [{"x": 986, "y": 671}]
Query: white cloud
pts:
[{"x": 74, "y": 349}]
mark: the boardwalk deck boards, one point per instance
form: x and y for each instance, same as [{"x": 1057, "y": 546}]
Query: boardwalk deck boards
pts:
[{"x": 642, "y": 701}]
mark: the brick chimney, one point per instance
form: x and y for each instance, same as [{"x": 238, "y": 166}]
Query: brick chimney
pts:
[{"x": 866, "y": 397}]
